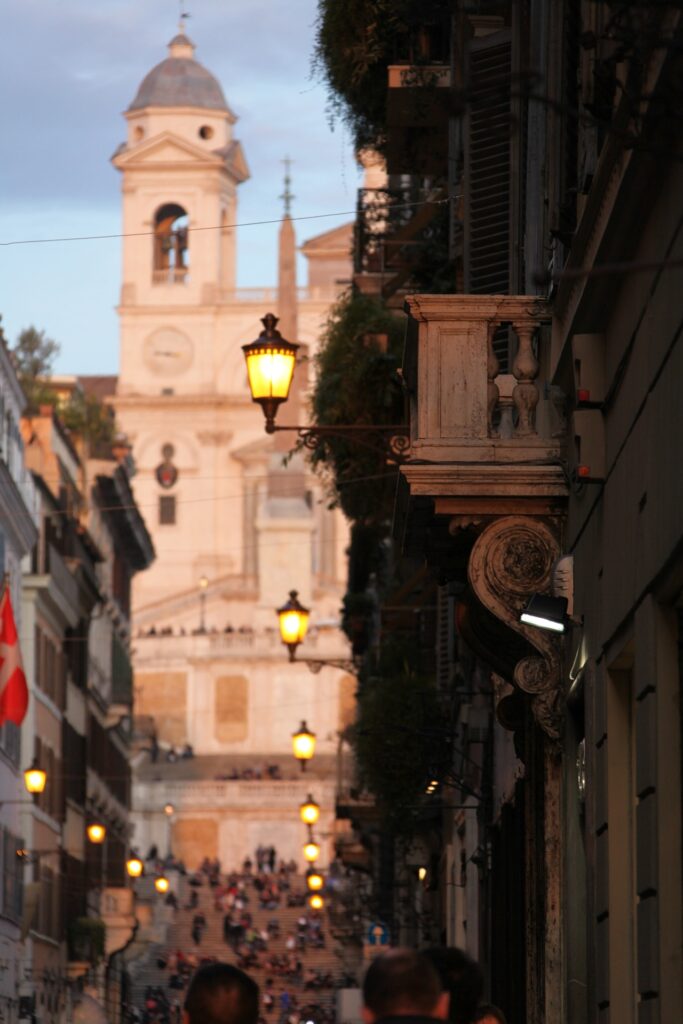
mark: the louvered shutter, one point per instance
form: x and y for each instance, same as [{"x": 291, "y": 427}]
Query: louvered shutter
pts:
[
  {"x": 488, "y": 178},
  {"x": 444, "y": 631}
]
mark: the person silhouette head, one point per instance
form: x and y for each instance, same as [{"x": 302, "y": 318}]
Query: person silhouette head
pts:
[
  {"x": 221, "y": 994},
  {"x": 403, "y": 983}
]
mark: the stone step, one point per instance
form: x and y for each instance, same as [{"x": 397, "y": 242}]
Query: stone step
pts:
[{"x": 213, "y": 945}]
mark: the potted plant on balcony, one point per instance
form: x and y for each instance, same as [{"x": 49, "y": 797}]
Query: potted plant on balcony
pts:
[{"x": 87, "y": 939}]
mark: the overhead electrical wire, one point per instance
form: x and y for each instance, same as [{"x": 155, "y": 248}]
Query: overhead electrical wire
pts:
[{"x": 215, "y": 227}]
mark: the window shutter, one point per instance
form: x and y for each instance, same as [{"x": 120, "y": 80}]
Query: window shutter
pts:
[
  {"x": 487, "y": 165},
  {"x": 488, "y": 179},
  {"x": 444, "y": 636}
]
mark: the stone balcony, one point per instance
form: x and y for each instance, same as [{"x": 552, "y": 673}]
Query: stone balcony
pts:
[
  {"x": 485, "y": 486},
  {"x": 481, "y": 442}
]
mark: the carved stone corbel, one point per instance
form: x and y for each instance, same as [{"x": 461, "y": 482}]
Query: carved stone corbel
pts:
[{"x": 512, "y": 559}]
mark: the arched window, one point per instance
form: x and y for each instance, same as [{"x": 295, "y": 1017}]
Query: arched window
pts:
[{"x": 171, "y": 263}]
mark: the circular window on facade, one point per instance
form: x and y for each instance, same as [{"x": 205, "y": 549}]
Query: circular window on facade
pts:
[{"x": 206, "y": 131}]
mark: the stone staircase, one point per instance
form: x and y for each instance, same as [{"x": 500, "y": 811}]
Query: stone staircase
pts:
[{"x": 317, "y": 1004}]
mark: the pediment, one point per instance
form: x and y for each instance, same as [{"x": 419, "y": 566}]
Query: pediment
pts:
[
  {"x": 335, "y": 240},
  {"x": 235, "y": 160},
  {"x": 163, "y": 149}
]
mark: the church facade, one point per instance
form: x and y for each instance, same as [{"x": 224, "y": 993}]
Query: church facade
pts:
[{"x": 235, "y": 529}]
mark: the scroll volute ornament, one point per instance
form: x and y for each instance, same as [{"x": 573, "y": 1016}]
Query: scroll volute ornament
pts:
[{"x": 511, "y": 559}]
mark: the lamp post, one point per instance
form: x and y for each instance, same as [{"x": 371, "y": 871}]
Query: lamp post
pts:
[
  {"x": 315, "y": 901},
  {"x": 169, "y": 811},
  {"x": 270, "y": 367},
  {"x": 203, "y": 584},
  {"x": 303, "y": 745},
  {"x": 162, "y": 884}
]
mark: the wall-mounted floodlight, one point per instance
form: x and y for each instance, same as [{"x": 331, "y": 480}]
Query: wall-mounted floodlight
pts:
[{"x": 546, "y": 612}]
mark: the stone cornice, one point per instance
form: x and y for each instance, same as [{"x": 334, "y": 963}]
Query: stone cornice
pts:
[
  {"x": 206, "y": 400},
  {"x": 473, "y": 480},
  {"x": 477, "y": 307}
]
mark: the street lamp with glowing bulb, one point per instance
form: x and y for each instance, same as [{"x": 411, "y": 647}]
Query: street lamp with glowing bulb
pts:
[
  {"x": 309, "y": 811},
  {"x": 134, "y": 867},
  {"x": 270, "y": 368},
  {"x": 203, "y": 584},
  {"x": 97, "y": 833},
  {"x": 293, "y": 620},
  {"x": 311, "y": 851},
  {"x": 315, "y": 880},
  {"x": 303, "y": 745},
  {"x": 169, "y": 810},
  {"x": 35, "y": 779},
  {"x": 162, "y": 884},
  {"x": 315, "y": 901}
]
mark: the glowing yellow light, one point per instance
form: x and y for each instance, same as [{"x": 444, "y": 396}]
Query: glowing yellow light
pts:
[
  {"x": 35, "y": 779},
  {"x": 270, "y": 368},
  {"x": 169, "y": 809},
  {"x": 162, "y": 884},
  {"x": 422, "y": 874},
  {"x": 314, "y": 880},
  {"x": 311, "y": 851},
  {"x": 303, "y": 744},
  {"x": 134, "y": 867},
  {"x": 96, "y": 833},
  {"x": 316, "y": 902},
  {"x": 293, "y": 619},
  {"x": 270, "y": 372},
  {"x": 309, "y": 811}
]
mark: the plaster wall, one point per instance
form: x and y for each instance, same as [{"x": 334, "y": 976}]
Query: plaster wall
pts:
[
  {"x": 625, "y": 535},
  {"x": 184, "y": 122}
]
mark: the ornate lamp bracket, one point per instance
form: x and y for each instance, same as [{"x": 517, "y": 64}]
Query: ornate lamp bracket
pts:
[
  {"x": 512, "y": 558},
  {"x": 391, "y": 440},
  {"x": 315, "y": 664}
]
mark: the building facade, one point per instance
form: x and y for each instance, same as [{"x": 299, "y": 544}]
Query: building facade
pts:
[
  {"x": 544, "y": 462},
  {"x": 78, "y": 909},
  {"x": 233, "y": 528},
  {"x": 18, "y": 532}
]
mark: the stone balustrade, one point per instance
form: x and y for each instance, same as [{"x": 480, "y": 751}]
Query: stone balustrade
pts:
[
  {"x": 327, "y": 644},
  {"x": 465, "y": 414}
]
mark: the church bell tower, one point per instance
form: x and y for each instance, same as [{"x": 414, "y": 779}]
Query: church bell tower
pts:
[{"x": 180, "y": 167}]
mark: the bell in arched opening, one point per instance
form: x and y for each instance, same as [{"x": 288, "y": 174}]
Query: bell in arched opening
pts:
[{"x": 171, "y": 262}]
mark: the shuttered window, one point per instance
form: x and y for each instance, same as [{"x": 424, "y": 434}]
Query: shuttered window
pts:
[
  {"x": 488, "y": 161},
  {"x": 166, "y": 509}
]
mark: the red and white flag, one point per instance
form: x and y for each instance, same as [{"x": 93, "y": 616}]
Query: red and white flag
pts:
[{"x": 13, "y": 688}]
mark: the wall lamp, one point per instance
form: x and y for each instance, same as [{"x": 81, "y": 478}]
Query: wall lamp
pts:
[
  {"x": 33, "y": 856},
  {"x": 35, "y": 780},
  {"x": 303, "y": 745},
  {"x": 293, "y": 621},
  {"x": 134, "y": 866},
  {"x": 270, "y": 368},
  {"x": 546, "y": 612},
  {"x": 309, "y": 811}
]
